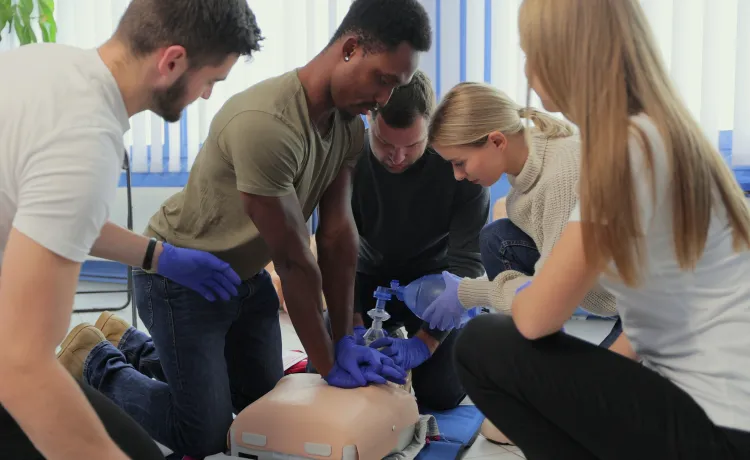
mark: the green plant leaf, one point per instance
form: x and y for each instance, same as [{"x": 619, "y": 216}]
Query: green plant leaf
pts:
[
  {"x": 6, "y": 14},
  {"x": 26, "y": 7},
  {"x": 47, "y": 20},
  {"x": 22, "y": 24},
  {"x": 18, "y": 25}
]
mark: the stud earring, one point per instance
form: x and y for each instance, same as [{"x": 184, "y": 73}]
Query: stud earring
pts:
[{"x": 346, "y": 58}]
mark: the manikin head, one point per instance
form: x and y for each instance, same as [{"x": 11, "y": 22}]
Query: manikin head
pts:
[
  {"x": 398, "y": 131},
  {"x": 481, "y": 131},
  {"x": 377, "y": 49},
  {"x": 183, "y": 47}
]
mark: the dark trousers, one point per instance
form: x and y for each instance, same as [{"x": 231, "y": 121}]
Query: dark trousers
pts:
[
  {"x": 562, "y": 398},
  {"x": 504, "y": 246},
  {"x": 123, "y": 430},
  {"x": 202, "y": 362},
  {"x": 435, "y": 382}
]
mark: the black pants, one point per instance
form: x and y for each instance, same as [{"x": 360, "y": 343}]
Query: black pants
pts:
[
  {"x": 562, "y": 398},
  {"x": 132, "y": 439}
]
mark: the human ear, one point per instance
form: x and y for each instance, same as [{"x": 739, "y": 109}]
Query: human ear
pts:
[{"x": 172, "y": 63}]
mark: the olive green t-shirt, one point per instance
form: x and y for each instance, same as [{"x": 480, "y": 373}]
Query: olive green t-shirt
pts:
[{"x": 261, "y": 142}]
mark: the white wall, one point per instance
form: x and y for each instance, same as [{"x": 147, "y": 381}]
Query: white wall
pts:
[{"x": 146, "y": 201}]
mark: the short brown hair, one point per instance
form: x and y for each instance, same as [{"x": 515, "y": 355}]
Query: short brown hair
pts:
[
  {"x": 417, "y": 98},
  {"x": 209, "y": 30}
]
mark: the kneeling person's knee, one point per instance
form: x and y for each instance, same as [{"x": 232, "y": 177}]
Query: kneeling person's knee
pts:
[
  {"x": 485, "y": 334},
  {"x": 204, "y": 438}
]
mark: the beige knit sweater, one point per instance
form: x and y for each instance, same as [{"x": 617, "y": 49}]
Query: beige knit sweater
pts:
[{"x": 540, "y": 201}]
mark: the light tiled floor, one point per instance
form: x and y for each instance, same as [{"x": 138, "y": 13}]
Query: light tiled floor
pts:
[
  {"x": 485, "y": 450},
  {"x": 482, "y": 449}
]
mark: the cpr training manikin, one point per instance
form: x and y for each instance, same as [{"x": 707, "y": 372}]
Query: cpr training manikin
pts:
[{"x": 303, "y": 417}]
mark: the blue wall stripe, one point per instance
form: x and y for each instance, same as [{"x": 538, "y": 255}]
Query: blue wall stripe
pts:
[
  {"x": 165, "y": 152},
  {"x": 184, "y": 141},
  {"x": 438, "y": 59},
  {"x": 462, "y": 39},
  {"x": 487, "y": 41},
  {"x": 148, "y": 157}
]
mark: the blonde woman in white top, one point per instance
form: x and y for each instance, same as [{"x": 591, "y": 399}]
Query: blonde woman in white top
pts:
[{"x": 663, "y": 225}]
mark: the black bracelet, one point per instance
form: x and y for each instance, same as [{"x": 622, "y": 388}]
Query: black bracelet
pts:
[{"x": 149, "y": 257}]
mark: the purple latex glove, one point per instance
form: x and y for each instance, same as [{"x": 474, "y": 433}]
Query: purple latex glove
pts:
[
  {"x": 359, "y": 334},
  {"x": 340, "y": 378},
  {"x": 406, "y": 353},
  {"x": 200, "y": 271},
  {"x": 445, "y": 312},
  {"x": 358, "y": 366}
]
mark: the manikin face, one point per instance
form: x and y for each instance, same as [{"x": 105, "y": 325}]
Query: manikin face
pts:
[
  {"x": 483, "y": 164},
  {"x": 169, "y": 98},
  {"x": 397, "y": 149},
  {"x": 363, "y": 80}
]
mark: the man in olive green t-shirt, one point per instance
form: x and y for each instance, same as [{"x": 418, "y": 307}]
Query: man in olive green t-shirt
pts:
[{"x": 273, "y": 154}]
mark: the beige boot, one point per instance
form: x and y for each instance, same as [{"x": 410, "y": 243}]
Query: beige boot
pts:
[
  {"x": 112, "y": 326},
  {"x": 492, "y": 434},
  {"x": 77, "y": 346}
]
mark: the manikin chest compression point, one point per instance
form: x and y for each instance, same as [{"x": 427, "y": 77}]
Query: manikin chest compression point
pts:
[{"x": 303, "y": 417}]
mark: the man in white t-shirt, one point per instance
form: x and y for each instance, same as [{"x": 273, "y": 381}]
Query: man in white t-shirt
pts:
[{"x": 64, "y": 113}]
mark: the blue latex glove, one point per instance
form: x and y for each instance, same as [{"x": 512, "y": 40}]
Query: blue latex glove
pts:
[
  {"x": 357, "y": 366},
  {"x": 359, "y": 334},
  {"x": 200, "y": 271},
  {"x": 406, "y": 353},
  {"x": 445, "y": 312}
]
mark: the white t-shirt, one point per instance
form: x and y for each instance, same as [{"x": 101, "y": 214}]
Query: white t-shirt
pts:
[
  {"x": 692, "y": 327},
  {"x": 62, "y": 121}
]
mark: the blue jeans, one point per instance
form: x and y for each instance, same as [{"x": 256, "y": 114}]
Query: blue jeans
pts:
[
  {"x": 203, "y": 361},
  {"x": 504, "y": 246}
]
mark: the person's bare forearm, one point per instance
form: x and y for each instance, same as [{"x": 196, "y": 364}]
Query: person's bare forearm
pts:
[
  {"x": 357, "y": 320},
  {"x": 623, "y": 347},
  {"x": 337, "y": 259},
  {"x": 431, "y": 342},
  {"x": 52, "y": 411},
  {"x": 121, "y": 245},
  {"x": 301, "y": 281}
]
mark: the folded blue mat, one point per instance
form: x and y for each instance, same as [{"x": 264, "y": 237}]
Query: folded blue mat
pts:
[{"x": 458, "y": 430}]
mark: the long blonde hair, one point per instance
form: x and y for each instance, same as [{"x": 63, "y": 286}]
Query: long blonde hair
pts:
[
  {"x": 469, "y": 112},
  {"x": 598, "y": 61}
]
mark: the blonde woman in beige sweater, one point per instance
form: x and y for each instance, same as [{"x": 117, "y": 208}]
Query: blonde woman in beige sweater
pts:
[{"x": 482, "y": 132}]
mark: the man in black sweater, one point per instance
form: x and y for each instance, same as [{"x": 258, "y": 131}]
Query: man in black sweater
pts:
[{"x": 414, "y": 218}]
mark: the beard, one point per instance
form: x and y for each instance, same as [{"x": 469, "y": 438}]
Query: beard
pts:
[
  {"x": 167, "y": 103},
  {"x": 345, "y": 116}
]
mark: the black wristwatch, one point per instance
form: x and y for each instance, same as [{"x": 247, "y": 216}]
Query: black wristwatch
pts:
[{"x": 148, "y": 259}]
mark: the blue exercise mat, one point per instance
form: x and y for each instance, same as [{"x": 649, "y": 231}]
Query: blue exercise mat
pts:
[{"x": 458, "y": 430}]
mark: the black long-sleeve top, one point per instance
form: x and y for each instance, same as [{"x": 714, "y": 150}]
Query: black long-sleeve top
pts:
[{"x": 417, "y": 222}]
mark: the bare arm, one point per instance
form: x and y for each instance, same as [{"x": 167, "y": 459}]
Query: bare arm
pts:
[
  {"x": 41, "y": 396},
  {"x": 623, "y": 347},
  {"x": 121, "y": 245},
  {"x": 283, "y": 228},
  {"x": 338, "y": 244},
  {"x": 558, "y": 288}
]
